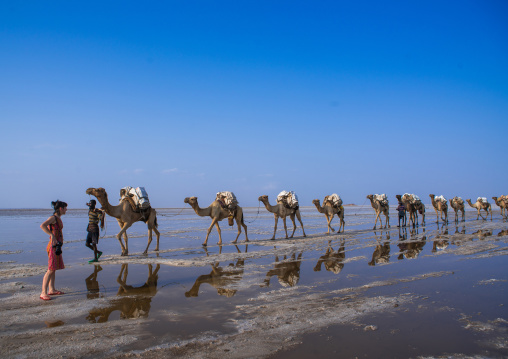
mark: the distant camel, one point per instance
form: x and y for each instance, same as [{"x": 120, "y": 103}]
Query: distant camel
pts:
[
  {"x": 502, "y": 202},
  {"x": 217, "y": 213},
  {"x": 126, "y": 217},
  {"x": 329, "y": 210},
  {"x": 378, "y": 208},
  {"x": 440, "y": 206},
  {"x": 279, "y": 210},
  {"x": 479, "y": 205},
  {"x": 457, "y": 204}
]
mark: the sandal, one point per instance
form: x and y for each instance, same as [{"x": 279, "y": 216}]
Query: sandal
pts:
[
  {"x": 56, "y": 293},
  {"x": 44, "y": 297}
]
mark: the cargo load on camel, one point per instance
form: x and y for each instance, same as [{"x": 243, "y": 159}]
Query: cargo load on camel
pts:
[
  {"x": 381, "y": 198},
  {"x": 137, "y": 198},
  {"x": 288, "y": 199},
  {"x": 334, "y": 200},
  {"x": 482, "y": 199},
  {"x": 228, "y": 201},
  {"x": 458, "y": 200},
  {"x": 412, "y": 198},
  {"x": 440, "y": 199}
]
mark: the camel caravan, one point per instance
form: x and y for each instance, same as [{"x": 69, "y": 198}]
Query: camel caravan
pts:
[{"x": 134, "y": 206}]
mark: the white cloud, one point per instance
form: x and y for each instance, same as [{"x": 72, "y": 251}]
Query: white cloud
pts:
[{"x": 171, "y": 170}]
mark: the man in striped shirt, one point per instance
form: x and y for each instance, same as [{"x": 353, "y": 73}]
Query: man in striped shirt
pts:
[{"x": 92, "y": 238}]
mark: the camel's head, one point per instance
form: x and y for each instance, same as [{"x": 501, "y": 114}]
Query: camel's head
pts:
[
  {"x": 398, "y": 197},
  {"x": 494, "y": 198},
  {"x": 370, "y": 196},
  {"x": 191, "y": 200},
  {"x": 432, "y": 195},
  {"x": 99, "y": 193},
  {"x": 316, "y": 202},
  {"x": 263, "y": 198}
]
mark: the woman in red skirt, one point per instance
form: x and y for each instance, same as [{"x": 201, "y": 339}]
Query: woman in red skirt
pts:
[{"x": 53, "y": 227}]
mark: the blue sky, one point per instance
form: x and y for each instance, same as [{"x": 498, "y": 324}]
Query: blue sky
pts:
[{"x": 255, "y": 97}]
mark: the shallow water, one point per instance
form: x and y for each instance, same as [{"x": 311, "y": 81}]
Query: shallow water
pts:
[{"x": 454, "y": 275}]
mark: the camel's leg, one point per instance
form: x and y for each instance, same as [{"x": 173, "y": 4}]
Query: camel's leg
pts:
[
  {"x": 218, "y": 231},
  {"x": 292, "y": 217},
  {"x": 437, "y": 215},
  {"x": 208, "y": 232},
  {"x": 329, "y": 220},
  {"x": 275, "y": 228},
  {"x": 152, "y": 225},
  {"x": 375, "y": 223},
  {"x": 123, "y": 231},
  {"x": 286, "y": 227},
  {"x": 239, "y": 222},
  {"x": 119, "y": 236},
  {"x": 299, "y": 217},
  {"x": 387, "y": 221}
]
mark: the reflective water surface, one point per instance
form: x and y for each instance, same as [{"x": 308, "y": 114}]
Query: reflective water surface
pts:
[{"x": 444, "y": 287}]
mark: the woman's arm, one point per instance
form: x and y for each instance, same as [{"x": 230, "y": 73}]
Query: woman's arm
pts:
[{"x": 44, "y": 227}]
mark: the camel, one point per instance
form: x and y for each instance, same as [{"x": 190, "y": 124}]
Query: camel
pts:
[
  {"x": 217, "y": 213},
  {"x": 502, "y": 202},
  {"x": 126, "y": 217},
  {"x": 457, "y": 204},
  {"x": 413, "y": 207},
  {"x": 379, "y": 207},
  {"x": 329, "y": 212},
  {"x": 381, "y": 254},
  {"x": 279, "y": 210},
  {"x": 479, "y": 205},
  {"x": 441, "y": 207}
]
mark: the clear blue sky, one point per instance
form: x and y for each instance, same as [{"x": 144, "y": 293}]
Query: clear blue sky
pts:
[{"x": 188, "y": 98}]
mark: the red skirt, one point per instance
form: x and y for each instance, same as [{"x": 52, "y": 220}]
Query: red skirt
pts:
[{"x": 55, "y": 262}]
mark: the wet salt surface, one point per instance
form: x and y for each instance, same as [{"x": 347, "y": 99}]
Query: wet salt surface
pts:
[{"x": 429, "y": 292}]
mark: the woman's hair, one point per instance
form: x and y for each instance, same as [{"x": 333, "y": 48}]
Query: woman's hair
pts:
[
  {"x": 57, "y": 205},
  {"x": 91, "y": 204}
]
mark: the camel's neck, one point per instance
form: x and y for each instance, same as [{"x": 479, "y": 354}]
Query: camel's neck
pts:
[
  {"x": 318, "y": 206},
  {"x": 113, "y": 211},
  {"x": 203, "y": 212},
  {"x": 270, "y": 208},
  {"x": 433, "y": 200}
]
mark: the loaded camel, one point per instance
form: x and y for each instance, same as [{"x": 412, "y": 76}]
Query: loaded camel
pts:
[
  {"x": 279, "y": 210},
  {"x": 441, "y": 207},
  {"x": 378, "y": 208},
  {"x": 457, "y": 204},
  {"x": 479, "y": 205},
  {"x": 413, "y": 206},
  {"x": 329, "y": 210},
  {"x": 502, "y": 202},
  {"x": 126, "y": 217},
  {"x": 217, "y": 213}
]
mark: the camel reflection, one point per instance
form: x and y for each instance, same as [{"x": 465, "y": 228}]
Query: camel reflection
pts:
[
  {"x": 220, "y": 278},
  {"x": 333, "y": 260},
  {"x": 412, "y": 248},
  {"x": 287, "y": 271},
  {"x": 381, "y": 254},
  {"x": 482, "y": 233},
  {"x": 462, "y": 231},
  {"x": 132, "y": 302},
  {"x": 504, "y": 232},
  {"x": 92, "y": 285},
  {"x": 440, "y": 242}
]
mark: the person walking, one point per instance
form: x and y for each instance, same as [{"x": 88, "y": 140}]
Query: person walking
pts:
[
  {"x": 92, "y": 238},
  {"x": 53, "y": 227}
]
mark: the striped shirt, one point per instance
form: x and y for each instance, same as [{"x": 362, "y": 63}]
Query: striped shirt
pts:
[{"x": 93, "y": 220}]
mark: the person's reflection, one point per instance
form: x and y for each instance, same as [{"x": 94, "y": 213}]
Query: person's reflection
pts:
[
  {"x": 412, "y": 248},
  {"x": 381, "y": 254},
  {"x": 92, "y": 285},
  {"x": 131, "y": 302},
  {"x": 220, "y": 278},
  {"x": 287, "y": 271},
  {"x": 440, "y": 242},
  {"x": 333, "y": 260}
]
